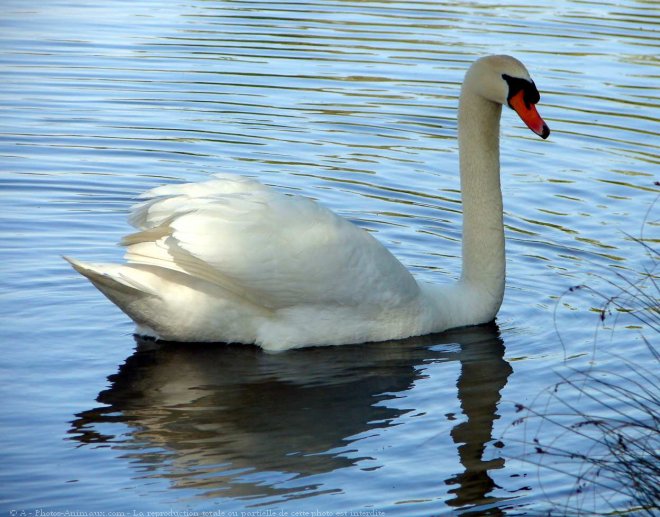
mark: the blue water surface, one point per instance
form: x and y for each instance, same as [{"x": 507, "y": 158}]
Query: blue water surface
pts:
[{"x": 352, "y": 103}]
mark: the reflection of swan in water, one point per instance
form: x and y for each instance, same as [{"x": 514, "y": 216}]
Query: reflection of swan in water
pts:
[
  {"x": 234, "y": 422},
  {"x": 484, "y": 373}
]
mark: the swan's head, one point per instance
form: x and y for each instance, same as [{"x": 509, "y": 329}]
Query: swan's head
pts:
[{"x": 505, "y": 80}]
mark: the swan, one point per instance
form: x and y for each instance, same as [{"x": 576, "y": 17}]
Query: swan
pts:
[{"x": 232, "y": 260}]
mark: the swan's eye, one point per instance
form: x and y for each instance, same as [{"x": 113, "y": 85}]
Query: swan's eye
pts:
[{"x": 516, "y": 84}]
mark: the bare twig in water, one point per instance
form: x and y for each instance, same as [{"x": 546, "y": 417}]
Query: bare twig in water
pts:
[{"x": 605, "y": 425}]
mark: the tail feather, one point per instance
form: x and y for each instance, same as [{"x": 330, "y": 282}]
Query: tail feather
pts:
[{"x": 111, "y": 279}]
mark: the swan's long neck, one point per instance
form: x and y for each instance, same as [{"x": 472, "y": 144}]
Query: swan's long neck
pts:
[{"x": 483, "y": 229}]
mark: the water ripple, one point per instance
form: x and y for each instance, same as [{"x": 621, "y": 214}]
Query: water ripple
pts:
[{"x": 352, "y": 103}]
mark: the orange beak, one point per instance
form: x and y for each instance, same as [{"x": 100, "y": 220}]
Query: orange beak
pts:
[{"x": 527, "y": 112}]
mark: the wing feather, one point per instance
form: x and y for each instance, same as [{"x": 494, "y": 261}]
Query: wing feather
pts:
[{"x": 273, "y": 249}]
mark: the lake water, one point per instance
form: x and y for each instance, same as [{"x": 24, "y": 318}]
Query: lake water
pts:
[{"x": 352, "y": 103}]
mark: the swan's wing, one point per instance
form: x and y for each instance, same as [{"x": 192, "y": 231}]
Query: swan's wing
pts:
[
  {"x": 166, "y": 201},
  {"x": 272, "y": 249}
]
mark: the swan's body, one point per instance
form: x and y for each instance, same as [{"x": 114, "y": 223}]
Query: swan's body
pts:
[{"x": 232, "y": 260}]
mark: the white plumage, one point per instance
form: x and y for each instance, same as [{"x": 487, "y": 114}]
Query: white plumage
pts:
[{"x": 232, "y": 260}]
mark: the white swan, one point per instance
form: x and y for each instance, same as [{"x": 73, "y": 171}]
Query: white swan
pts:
[{"x": 233, "y": 260}]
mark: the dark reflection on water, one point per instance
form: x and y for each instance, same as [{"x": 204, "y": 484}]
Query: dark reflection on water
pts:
[
  {"x": 484, "y": 373},
  {"x": 214, "y": 418}
]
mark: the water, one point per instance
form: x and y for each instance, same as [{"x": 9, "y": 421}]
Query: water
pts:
[{"x": 352, "y": 103}]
